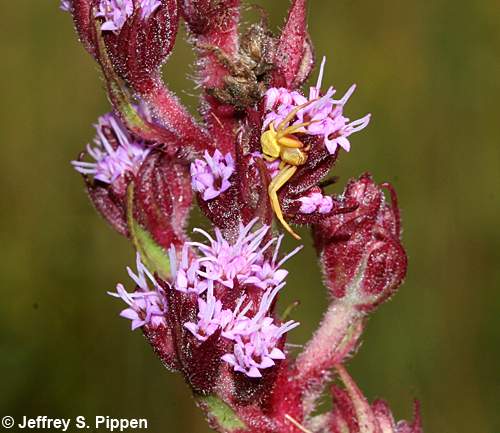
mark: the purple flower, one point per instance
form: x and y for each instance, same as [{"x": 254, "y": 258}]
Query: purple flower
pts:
[
  {"x": 115, "y": 153},
  {"x": 145, "y": 306},
  {"x": 185, "y": 273},
  {"x": 244, "y": 261},
  {"x": 256, "y": 338},
  {"x": 225, "y": 262},
  {"x": 282, "y": 97},
  {"x": 66, "y": 5},
  {"x": 258, "y": 351},
  {"x": 211, "y": 316},
  {"x": 210, "y": 176},
  {"x": 324, "y": 113},
  {"x": 316, "y": 202},
  {"x": 268, "y": 273},
  {"x": 148, "y": 7},
  {"x": 116, "y": 12}
]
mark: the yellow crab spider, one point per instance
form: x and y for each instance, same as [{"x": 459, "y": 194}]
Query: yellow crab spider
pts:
[{"x": 280, "y": 143}]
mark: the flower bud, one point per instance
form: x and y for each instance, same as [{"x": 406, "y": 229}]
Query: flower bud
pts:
[
  {"x": 81, "y": 11},
  {"x": 361, "y": 253},
  {"x": 295, "y": 54},
  {"x": 130, "y": 41},
  {"x": 138, "y": 35},
  {"x": 158, "y": 206},
  {"x": 110, "y": 205},
  {"x": 143, "y": 44}
]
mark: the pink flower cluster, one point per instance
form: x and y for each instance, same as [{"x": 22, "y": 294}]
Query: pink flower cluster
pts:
[
  {"x": 244, "y": 261},
  {"x": 224, "y": 265},
  {"x": 256, "y": 339},
  {"x": 115, "y": 151},
  {"x": 324, "y": 113},
  {"x": 210, "y": 176},
  {"x": 116, "y": 12},
  {"x": 146, "y": 307},
  {"x": 315, "y": 201}
]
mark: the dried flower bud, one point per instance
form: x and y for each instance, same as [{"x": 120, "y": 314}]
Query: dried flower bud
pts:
[
  {"x": 208, "y": 16},
  {"x": 361, "y": 253}
]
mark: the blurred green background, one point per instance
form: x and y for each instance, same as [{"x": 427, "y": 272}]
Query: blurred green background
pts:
[{"x": 428, "y": 71}]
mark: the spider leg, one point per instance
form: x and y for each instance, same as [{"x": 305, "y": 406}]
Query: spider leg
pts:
[
  {"x": 293, "y": 113},
  {"x": 290, "y": 142},
  {"x": 294, "y": 129},
  {"x": 264, "y": 16},
  {"x": 283, "y": 177},
  {"x": 223, "y": 58},
  {"x": 269, "y": 158}
]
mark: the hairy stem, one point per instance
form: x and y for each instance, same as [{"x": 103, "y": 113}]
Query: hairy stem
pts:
[{"x": 334, "y": 339}]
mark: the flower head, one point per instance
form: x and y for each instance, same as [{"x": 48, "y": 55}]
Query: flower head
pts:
[
  {"x": 256, "y": 339},
  {"x": 254, "y": 332},
  {"x": 243, "y": 261},
  {"x": 323, "y": 113},
  {"x": 115, "y": 13},
  {"x": 115, "y": 151},
  {"x": 210, "y": 176},
  {"x": 282, "y": 98},
  {"x": 146, "y": 306},
  {"x": 258, "y": 350}
]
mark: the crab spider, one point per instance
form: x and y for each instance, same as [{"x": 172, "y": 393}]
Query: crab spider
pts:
[{"x": 280, "y": 143}]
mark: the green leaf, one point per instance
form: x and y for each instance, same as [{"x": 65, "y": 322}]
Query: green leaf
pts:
[
  {"x": 119, "y": 94},
  {"x": 153, "y": 255},
  {"x": 221, "y": 413}
]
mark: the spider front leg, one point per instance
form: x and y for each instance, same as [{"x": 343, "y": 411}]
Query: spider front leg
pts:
[
  {"x": 222, "y": 57},
  {"x": 281, "y": 178},
  {"x": 291, "y": 115}
]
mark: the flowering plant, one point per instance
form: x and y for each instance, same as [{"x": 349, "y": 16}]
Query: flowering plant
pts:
[{"x": 260, "y": 154}]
